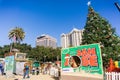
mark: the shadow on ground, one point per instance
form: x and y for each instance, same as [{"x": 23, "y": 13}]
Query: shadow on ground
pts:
[{"x": 56, "y": 78}]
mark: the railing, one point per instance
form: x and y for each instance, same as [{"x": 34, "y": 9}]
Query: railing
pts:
[{"x": 112, "y": 76}]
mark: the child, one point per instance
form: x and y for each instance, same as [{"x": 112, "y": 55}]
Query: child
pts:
[
  {"x": 33, "y": 71},
  {"x": 37, "y": 70}
]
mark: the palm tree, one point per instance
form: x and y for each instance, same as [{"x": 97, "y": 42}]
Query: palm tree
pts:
[{"x": 17, "y": 34}]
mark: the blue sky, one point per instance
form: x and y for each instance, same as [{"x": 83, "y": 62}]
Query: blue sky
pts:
[{"x": 52, "y": 17}]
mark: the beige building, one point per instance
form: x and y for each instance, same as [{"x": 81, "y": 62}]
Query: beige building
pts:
[
  {"x": 72, "y": 39},
  {"x": 46, "y": 41}
]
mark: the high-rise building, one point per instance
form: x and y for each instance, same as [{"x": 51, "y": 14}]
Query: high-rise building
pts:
[
  {"x": 72, "y": 39},
  {"x": 46, "y": 41}
]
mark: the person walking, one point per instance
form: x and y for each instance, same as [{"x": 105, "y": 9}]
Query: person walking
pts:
[
  {"x": 1, "y": 68},
  {"x": 26, "y": 71}
]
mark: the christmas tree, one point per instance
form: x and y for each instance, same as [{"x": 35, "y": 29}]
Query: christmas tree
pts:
[{"x": 99, "y": 30}]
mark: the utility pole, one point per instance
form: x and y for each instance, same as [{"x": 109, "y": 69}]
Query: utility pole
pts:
[{"x": 117, "y": 5}]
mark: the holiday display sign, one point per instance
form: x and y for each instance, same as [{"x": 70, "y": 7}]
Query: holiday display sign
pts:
[{"x": 84, "y": 59}]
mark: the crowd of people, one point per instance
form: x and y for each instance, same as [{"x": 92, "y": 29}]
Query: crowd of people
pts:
[
  {"x": 45, "y": 68},
  {"x": 35, "y": 71},
  {"x": 51, "y": 69}
]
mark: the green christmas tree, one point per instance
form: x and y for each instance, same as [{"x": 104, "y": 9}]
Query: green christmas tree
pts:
[{"x": 98, "y": 30}]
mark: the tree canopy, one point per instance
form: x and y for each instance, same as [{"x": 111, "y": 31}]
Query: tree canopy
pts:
[
  {"x": 17, "y": 34},
  {"x": 98, "y": 30},
  {"x": 39, "y": 53}
]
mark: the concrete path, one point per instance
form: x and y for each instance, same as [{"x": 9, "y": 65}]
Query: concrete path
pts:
[{"x": 32, "y": 77}]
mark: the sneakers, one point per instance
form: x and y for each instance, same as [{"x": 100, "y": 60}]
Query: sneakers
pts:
[{"x": 28, "y": 76}]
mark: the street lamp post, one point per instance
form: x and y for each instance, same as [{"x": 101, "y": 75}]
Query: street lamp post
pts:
[
  {"x": 58, "y": 58},
  {"x": 44, "y": 58},
  {"x": 52, "y": 57},
  {"x": 104, "y": 57},
  {"x": 117, "y": 5}
]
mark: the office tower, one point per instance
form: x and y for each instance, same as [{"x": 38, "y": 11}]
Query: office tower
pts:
[
  {"x": 46, "y": 41},
  {"x": 72, "y": 39}
]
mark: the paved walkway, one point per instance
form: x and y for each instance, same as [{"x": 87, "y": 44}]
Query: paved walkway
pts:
[{"x": 32, "y": 77}]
